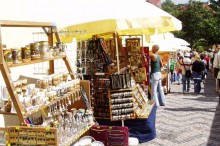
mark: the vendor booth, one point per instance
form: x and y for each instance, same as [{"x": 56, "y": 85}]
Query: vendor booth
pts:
[{"x": 109, "y": 87}]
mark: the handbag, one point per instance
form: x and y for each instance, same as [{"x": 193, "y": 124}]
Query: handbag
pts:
[
  {"x": 110, "y": 135},
  {"x": 188, "y": 72}
]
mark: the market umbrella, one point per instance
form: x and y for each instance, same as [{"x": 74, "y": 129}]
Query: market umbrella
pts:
[
  {"x": 173, "y": 44},
  {"x": 163, "y": 47},
  {"x": 121, "y": 16},
  {"x": 176, "y": 42},
  {"x": 183, "y": 48},
  {"x": 124, "y": 17}
]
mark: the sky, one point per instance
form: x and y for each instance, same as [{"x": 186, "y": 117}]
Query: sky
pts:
[{"x": 183, "y": 1}]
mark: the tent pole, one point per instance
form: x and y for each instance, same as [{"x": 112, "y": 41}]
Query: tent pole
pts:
[
  {"x": 117, "y": 54},
  {"x": 117, "y": 58}
]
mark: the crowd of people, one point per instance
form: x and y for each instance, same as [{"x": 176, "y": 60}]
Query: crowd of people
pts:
[
  {"x": 192, "y": 66},
  {"x": 187, "y": 67}
]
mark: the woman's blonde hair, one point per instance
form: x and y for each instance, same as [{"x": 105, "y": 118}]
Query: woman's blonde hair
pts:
[{"x": 197, "y": 57}]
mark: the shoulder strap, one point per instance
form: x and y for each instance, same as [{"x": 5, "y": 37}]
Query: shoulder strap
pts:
[
  {"x": 184, "y": 65},
  {"x": 217, "y": 60}
]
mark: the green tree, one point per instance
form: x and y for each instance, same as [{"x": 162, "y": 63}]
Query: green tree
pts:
[
  {"x": 170, "y": 7},
  {"x": 199, "y": 23}
]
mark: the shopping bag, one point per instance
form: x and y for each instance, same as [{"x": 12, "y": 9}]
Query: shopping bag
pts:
[
  {"x": 110, "y": 135},
  {"x": 100, "y": 133}
]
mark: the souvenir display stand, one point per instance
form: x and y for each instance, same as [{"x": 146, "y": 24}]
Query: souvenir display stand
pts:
[
  {"x": 60, "y": 106},
  {"x": 118, "y": 80},
  {"x": 165, "y": 57}
]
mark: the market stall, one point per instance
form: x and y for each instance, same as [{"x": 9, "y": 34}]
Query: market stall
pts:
[
  {"x": 46, "y": 108},
  {"x": 117, "y": 59},
  {"x": 117, "y": 95},
  {"x": 60, "y": 114}
]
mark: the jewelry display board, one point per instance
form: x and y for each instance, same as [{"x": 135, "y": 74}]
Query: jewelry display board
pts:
[
  {"x": 135, "y": 58},
  {"x": 120, "y": 81},
  {"x": 140, "y": 99},
  {"x": 121, "y": 104},
  {"x": 100, "y": 97}
]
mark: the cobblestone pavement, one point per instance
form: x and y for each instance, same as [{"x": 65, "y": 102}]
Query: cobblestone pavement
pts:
[{"x": 188, "y": 119}]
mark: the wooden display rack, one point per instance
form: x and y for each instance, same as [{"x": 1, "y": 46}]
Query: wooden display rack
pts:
[
  {"x": 50, "y": 30},
  {"x": 132, "y": 114},
  {"x": 144, "y": 106}
]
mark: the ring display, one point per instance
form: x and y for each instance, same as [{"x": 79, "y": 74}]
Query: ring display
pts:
[{"x": 121, "y": 105}]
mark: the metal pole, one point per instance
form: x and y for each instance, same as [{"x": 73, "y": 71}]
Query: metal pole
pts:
[{"x": 1, "y": 48}]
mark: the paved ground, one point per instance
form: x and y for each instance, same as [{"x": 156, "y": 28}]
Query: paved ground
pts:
[{"x": 188, "y": 119}]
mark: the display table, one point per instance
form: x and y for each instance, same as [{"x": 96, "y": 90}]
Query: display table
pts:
[{"x": 141, "y": 128}]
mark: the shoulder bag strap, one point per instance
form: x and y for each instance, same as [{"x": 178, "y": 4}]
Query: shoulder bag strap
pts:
[
  {"x": 184, "y": 65},
  {"x": 217, "y": 60}
]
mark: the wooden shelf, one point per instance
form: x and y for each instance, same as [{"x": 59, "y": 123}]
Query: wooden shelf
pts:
[
  {"x": 147, "y": 112},
  {"x": 7, "y": 113},
  {"x": 124, "y": 119},
  {"x": 102, "y": 118},
  {"x": 121, "y": 90},
  {"x": 9, "y": 23},
  {"x": 44, "y": 106},
  {"x": 36, "y": 61},
  {"x": 79, "y": 135},
  {"x": 50, "y": 30}
]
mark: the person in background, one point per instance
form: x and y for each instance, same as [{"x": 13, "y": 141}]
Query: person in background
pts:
[
  {"x": 197, "y": 69},
  {"x": 156, "y": 84},
  {"x": 178, "y": 68},
  {"x": 172, "y": 67},
  {"x": 186, "y": 64},
  {"x": 193, "y": 56},
  {"x": 204, "y": 73},
  {"x": 216, "y": 61},
  {"x": 216, "y": 64},
  {"x": 207, "y": 59},
  {"x": 212, "y": 55}
]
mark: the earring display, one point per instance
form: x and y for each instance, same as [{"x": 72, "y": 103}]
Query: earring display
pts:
[
  {"x": 121, "y": 105},
  {"x": 142, "y": 105},
  {"x": 99, "y": 89}
]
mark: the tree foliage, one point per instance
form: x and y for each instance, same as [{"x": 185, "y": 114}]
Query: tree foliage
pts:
[
  {"x": 170, "y": 7},
  {"x": 201, "y": 22}
]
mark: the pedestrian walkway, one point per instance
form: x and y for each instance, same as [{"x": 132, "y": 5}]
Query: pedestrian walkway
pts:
[{"x": 188, "y": 119}]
